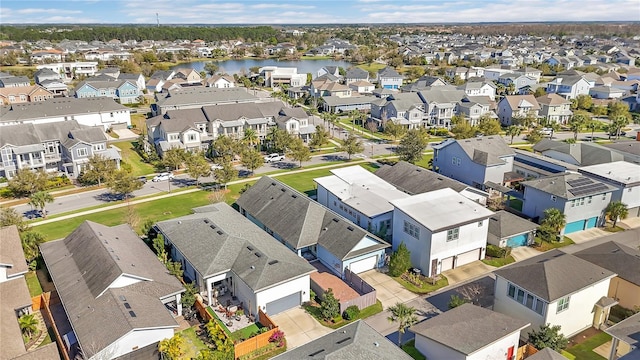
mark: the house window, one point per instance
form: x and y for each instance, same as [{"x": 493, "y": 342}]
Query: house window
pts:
[
  {"x": 511, "y": 291},
  {"x": 520, "y": 296},
  {"x": 411, "y": 229},
  {"x": 589, "y": 199},
  {"x": 81, "y": 152},
  {"x": 453, "y": 234},
  {"x": 553, "y": 198},
  {"x": 582, "y": 202},
  {"x": 192, "y": 137},
  {"x": 563, "y": 304},
  {"x": 604, "y": 196}
]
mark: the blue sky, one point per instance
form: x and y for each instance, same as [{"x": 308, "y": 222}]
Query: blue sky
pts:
[{"x": 313, "y": 12}]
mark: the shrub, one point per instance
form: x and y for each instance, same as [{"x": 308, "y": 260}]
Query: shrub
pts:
[
  {"x": 439, "y": 132},
  {"x": 388, "y": 161},
  {"x": 400, "y": 261},
  {"x": 330, "y": 306},
  {"x": 455, "y": 301},
  {"x": 498, "y": 252},
  {"x": 277, "y": 337},
  {"x": 351, "y": 312}
]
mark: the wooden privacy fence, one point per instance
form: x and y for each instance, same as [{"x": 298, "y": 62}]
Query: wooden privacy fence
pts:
[
  {"x": 525, "y": 351},
  {"x": 367, "y": 292},
  {"x": 43, "y": 303},
  {"x": 258, "y": 341}
]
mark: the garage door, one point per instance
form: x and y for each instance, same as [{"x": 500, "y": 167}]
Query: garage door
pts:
[
  {"x": 591, "y": 223},
  {"x": 447, "y": 264},
  {"x": 519, "y": 240},
  {"x": 469, "y": 256},
  {"x": 574, "y": 226},
  {"x": 283, "y": 304},
  {"x": 633, "y": 212},
  {"x": 364, "y": 264}
]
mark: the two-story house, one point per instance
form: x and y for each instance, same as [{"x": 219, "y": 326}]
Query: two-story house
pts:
[
  {"x": 196, "y": 97},
  {"x": 22, "y": 94},
  {"x": 275, "y": 76},
  {"x": 125, "y": 92},
  {"x": 51, "y": 81},
  {"x": 360, "y": 196},
  {"x": 389, "y": 78},
  {"x": 519, "y": 81},
  {"x": 479, "y": 88},
  {"x": 355, "y": 74},
  {"x": 554, "y": 108},
  {"x": 624, "y": 177},
  {"x": 220, "y": 81},
  {"x": 188, "y": 77},
  {"x": 402, "y": 108},
  {"x": 440, "y": 104},
  {"x": 442, "y": 229},
  {"x": 425, "y": 82},
  {"x": 579, "y": 154},
  {"x": 361, "y": 87},
  {"x": 80, "y": 145},
  {"x": 517, "y": 106},
  {"x": 14, "y": 81},
  {"x": 296, "y": 122},
  {"x": 72, "y": 70},
  {"x": 472, "y": 111},
  {"x": 569, "y": 86},
  {"x": 582, "y": 199},
  {"x": 474, "y": 161}
]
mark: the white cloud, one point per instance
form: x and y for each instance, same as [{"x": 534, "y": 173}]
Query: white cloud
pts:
[{"x": 46, "y": 11}]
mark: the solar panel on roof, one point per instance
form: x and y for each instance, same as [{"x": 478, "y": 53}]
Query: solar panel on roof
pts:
[
  {"x": 579, "y": 182},
  {"x": 588, "y": 189}
]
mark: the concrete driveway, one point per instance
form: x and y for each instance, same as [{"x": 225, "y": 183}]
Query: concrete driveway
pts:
[
  {"x": 587, "y": 235},
  {"x": 467, "y": 272},
  {"x": 524, "y": 252},
  {"x": 388, "y": 291},
  {"x": 630, "y": 223},
  {"x": 299, "y": 327}
]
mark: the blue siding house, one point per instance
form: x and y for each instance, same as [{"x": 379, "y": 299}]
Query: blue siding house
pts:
[{"x": 124, "y": 92}]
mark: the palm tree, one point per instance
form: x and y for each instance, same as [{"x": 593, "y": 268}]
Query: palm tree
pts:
[
  {"x": 250, "y": 137},
  {"x": 577, "y": 122},
  {"x": 592, "y": 125},
  {"x": 513, "y": 131},
  {"x": 39, "y": 200},
  {"x": 617, "y": 210},
  {"x": 404, "y": 315},
  {"x": 172, "y": 348},
  {"x": 554, "y": 220},
  {"x": 28, "y": 324}
]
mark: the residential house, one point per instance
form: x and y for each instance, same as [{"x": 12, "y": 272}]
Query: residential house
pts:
[
  {"x": 72, "y": 70},
  {"x": 361, "y": 87},
  {"x": 51, "y": 81},
  {"x": 531, "y": 72},
  {"x": 520, "y": 82},
  {"x": 108, "y": 276},
  {"x": 333, "y": 70},
  {"x": 187, "y": 77},
  {"x": 514, "y": 106},
  {"x": 51, "y": 147},
  {"x": 137, "y": 79},
  {"x": 469, "y": 332},
  {"x": 457, "y": 72},
  {"x": 275, "y": 76},
  {"x": 554, "y": 288},
  {"x": 355, "y": 341},
  {"x": 220, "y": 81},
  {"x": 624, "y": 339},
  {"x": 507, "y": 229},
  {"x": 554, "y": 108},
  {"x": 624, "y": 177},
  {"x": 479, "y": 88},
  {"x": 474, "y": 161},
  {"x": 125, "y": 92},
  {"x": 218, "y": 247},
  {"x": 425, "y": 82},
  {"x": 606, "y": 92},
  {"x": 355, "y": 74},
  {"x": 296, "y": 122},
  {"x": 327, "y": 87},
  {"x": 336, "y": 104},
  {"x": 569, "y": 86},
  {"x": 360, "y": 196},
  {"x": 622, "y": 260},
  {"x": 442, "y": 229},
  {"x": 389, "y": 78},
  {"x": 197, "y": 97},
  {"x": 413, "y": 179},
  {"x": 581, "y": 199},
  {"x": 402, "y": 108},
  {"x": 22, "y": 94},
  {"x": 14, "y": 81},
  {"x": 309, "y": 229},
  {"x": 15, "y": 300},
  {"x": 440, "y": 104},
  {"x": 579, "y": 154},
  {"x": 102, "y": 112},
  {"x": 532, "y": 166},
  {"x": 46, "y": 56},
  {"x": 473, "y": 111}
]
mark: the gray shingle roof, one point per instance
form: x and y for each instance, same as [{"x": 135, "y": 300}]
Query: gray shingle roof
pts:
[
  {"x": 302, "y": 222},
  {"x": 584, "y": 153},
  {"x": 36, "y": 134},
  {"x": 621, "y": 259},
  {"x": 89, "y": 134},
  {"x": 356, "y": 73},
  {"x": 554, "y": 274},
  {"x": 562, "y": 185},
  {"x": 546, "y": 354},
  {"x": 628, "y": 330},
  {"x": 83, "y": 266},
  {"x": 58, "y": 107},
  {"x": 356, "y": 341},
  {"x": 388, "y": 72},
  {"x": 468, "y": 328},
  {"x": 205, "y": 96},
  {"x": 14, "y": 295},
  {"x": 486, "y": 150},
  {"x": 504, "y": 224},
  {"x": 414, "y": 179},
  {"x": 216, "y": 239},
  {"x": 227, "y": 112},
  {"x": 11, "y": 253}
]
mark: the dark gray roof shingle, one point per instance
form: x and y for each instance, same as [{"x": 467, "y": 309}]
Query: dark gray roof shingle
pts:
[
  {"x": 58, "y": 107},
  {"x": 613, "y": 256},
  {"x": 414, "y": 179},
  {"x": 561, "y": 185},
  {"x": 504, "y": 224},
  {"x": 546, "y": 354},
  {"x": 11, "y": 253}
]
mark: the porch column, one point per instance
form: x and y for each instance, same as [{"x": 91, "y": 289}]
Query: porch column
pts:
[
  {"x": 179, "y": 304},
  {"x": 208, "y": 286},
  {"x": 614, "y": 348}
]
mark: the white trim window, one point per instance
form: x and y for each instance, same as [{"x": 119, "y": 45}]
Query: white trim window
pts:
[
  {"x": 525, "y": 298},
  {"x": 453, "y": 234},
  {"x": 412, "y": 229},
  {"x": 81, "y": 152},
  {"x": 563, "y": 304}
]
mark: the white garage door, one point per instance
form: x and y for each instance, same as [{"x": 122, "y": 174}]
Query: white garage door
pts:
[
  {"x": 283, "y": 304},
  {"x": 468, "y": 257},
  {"x": 364, "y": 264},
  {"x": 447, "y": 264}
]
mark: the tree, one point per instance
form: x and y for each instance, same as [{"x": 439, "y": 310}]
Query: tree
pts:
[
  {"x": 351, "y": 145},
  {"x": 554, "y": 220},
  {"x": 174, "y": 157},
  {"x": 404, "y": 315},
  {"x": 577, "y": 122},
  {"x": 226, "y": 174},
  {"x": 461, "y": 128},
  {"x": 534, "y": 136},
  {"x": 28, "y": 324},
  {"x": 39, "y": 200},
  {"x": 250, "y": 137},
  {"x": 548, "y": 336},
  {"x": 161, "y": 251},
  {"x": 319, "y": 138},
  {"x": 400, "y": 261},
  {"x": 592, "y": 125},
  {"x": 412, "y": 145},
  {"x": 26, "y": 182},
  {"x": 124, "y": 184},
  {"x": 488, "y": 126},
  {"x": 540, "y": 92},
  {"x": 99, "y": 169},
  {"x": 197, "y": 166},
  {"x": 329, "y": 306},
  {"x": 299, "y": 151},
  {"x": 584, "y": 102},
  {"x": 9, "y": 216},
  {"x": 224, "y": 149},
  {"x": 394, "y": 130},
  {"x": 172, "y": 348},
  {"x": 279, "y": 139},
  {"x": 211, "y": 68},
  {"x": 31, "y": 241},
  {"x": 455, "y": 301},
  {"x": 252, "y": 159},
  {"x": 189, "y": 296},
  {"x": 619, "y": 116},
  {"x": 513, "y": 131},
  {"x": 616, "y": 210},
  {"x": 175, "y": 268}
]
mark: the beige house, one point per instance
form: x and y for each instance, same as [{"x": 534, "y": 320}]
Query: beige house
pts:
[
  {"x": 23, "y": 94},
  {"x": 554, "y": 108},
  {"x": 517, "y": 106}
]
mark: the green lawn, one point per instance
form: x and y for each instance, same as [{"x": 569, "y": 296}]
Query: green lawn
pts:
[
  {"x": 33, "y": 284},
  {"x": 498, "y": 262},
  {"x": 515, "y": 203},
  {"x": 372, "y": 67},
  {"x": 314, "y": 310},
  {"x": 425, "y": 161},
  {"x": 157, "y": 210},
  {"x": 246, "y": 332},
  {"x": 131, "y": 157},
  {"x": 542, "y": 245},
  {"x": 584, "y": 350},
  {"x": 410, "y": 349},
  {"x": 303, "y": 182},
  {"x": 568, "y": 355},
  {"x": 192, "y": 342},
  {"x": 426, "y": 287},
  {"x": 217, "y": 319}
]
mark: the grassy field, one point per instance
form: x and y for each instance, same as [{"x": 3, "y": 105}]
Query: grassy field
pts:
[
  {"x": 315, "y": 311},
  {"x": 372, "y": 67},
  {"x": 33, "y": 284},
  {"x": 410, "y": 348},
  {"x": 425, "y": 161},
  {"x": 426, "y": 287},
  {"x": 131, "y": 157},
  {"x": 192, "y": 342},
  {"x": 498, "y": 262},
  {"x": 542, "y": 245},
  {"x": 138, "y": 121},
  {"x": 246, "y": 332},
  {"x": 584, "y": 350}
]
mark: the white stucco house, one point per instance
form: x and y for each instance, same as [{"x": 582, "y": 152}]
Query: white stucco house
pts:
[
  {"x": 554, "y": 288},
  {"x": 469, "y": 332},
  {"x": 218, "y": 247},
  {"x": 442, "y": 229}
]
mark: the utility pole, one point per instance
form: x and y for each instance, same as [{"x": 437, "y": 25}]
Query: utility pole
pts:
[{"x": 158, "y": 19}]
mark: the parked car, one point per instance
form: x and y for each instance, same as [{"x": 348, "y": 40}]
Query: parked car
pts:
[
  {"x": 275, "y": 157},
  {"x": 546, "y": 131},
  {"x": 162, "y": 177},
  {"x": 216, "y": 167},
  {"x": 142, "y": 179}
]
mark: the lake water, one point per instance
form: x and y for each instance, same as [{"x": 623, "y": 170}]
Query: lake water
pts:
[{"x": 243, "y": 65}]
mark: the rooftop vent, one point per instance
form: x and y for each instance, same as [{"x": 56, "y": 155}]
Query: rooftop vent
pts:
[
  {"x": 258, "y": 254},
  {"x": 132, "y": 314},
  {"x": 252, "y": 267},
  {"x": 335, "y": 219},
  {"x": 350, "y": 228},
  {"x": 273, "y": 262},
  {"x": 127, "y": 306},
  {"x": 316, "y": 353},
  {"x": 273, "y": 184},
  {"x": 220, "y": 232},
  {"x": 343, "y": 340},
  {"x": 179, "y": 222},
  {"x": 206, "y": 221},
  {"x": 282, "y": 189},
  {"x": 294, "y": 196},
  {"x": 376, "y": 344},
  {"x": 212, "y": 226},
  {"x": 122, "y": 298},
  {"x": 250, "y": 248}
]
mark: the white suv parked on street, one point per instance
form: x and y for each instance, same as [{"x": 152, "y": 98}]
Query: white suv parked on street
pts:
[{"x": 275, "y": 157}]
